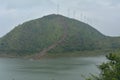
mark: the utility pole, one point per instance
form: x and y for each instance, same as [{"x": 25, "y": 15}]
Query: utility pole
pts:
[
  {"x": 74, "y": 14},
  {"x": 81, "y": 17},
  {"x": 68, "y": 13},
  {"x": 84, "y": 18},
  {"x": 58, "y": 7}
]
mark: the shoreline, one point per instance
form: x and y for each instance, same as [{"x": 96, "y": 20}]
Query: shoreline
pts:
[{"x": 65, "y": 54}]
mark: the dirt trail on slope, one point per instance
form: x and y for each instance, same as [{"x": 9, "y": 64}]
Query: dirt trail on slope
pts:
[{"x": 63, "y": 37}]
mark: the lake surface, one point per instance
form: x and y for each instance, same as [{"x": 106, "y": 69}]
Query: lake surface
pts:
[{"x": 49, "y": 69}]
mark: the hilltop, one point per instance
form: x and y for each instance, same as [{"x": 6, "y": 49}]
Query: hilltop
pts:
[{"x": 55, "y": 34}]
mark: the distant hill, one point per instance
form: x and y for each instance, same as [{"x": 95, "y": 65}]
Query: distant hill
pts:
[{"x": 55, "y": 34}]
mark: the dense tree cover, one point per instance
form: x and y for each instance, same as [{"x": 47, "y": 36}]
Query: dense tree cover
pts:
[
  {"x": 109, "y": 70},
  {"x": 35, "y": 35}
]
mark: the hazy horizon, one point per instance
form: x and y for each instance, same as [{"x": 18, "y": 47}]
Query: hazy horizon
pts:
[{"x": 102, "y": 15}]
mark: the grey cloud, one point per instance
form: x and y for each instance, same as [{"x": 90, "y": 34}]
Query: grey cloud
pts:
[
  {"x": 114, "y": 2},
  {"x": 22, "y": 4},
  {"x": 105, "y": 13}
]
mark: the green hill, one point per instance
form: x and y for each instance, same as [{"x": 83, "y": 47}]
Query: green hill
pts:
[{"x": 55, "y": 34}]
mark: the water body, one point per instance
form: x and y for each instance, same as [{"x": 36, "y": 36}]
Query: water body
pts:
[{"x": 49, "y": 69}]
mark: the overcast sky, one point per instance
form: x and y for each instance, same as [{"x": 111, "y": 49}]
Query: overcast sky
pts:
[{"x": 104, "y": 15}]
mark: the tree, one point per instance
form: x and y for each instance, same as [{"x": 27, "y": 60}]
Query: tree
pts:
[{"x": 109, "y": 70}]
